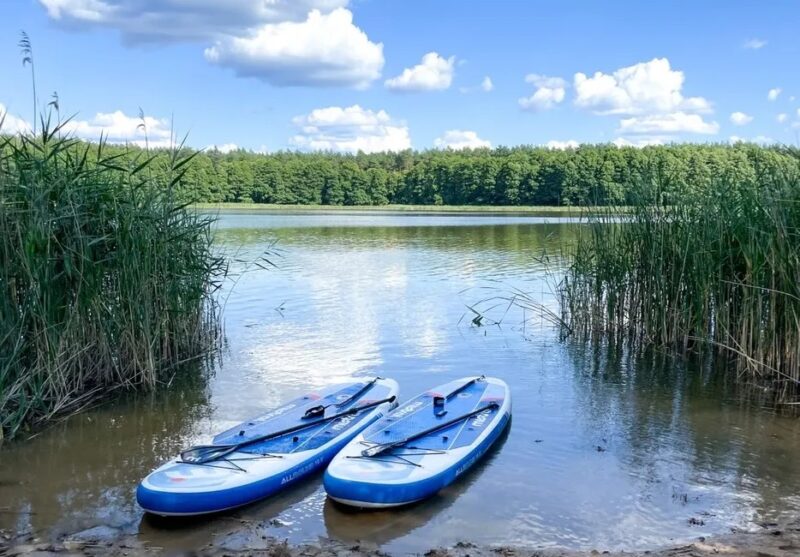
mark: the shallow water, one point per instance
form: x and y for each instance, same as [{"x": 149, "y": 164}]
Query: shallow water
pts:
[{"x": 605, "y": 450}]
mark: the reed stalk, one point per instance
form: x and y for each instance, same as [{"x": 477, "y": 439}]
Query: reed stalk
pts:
[
  {"x": 106, "y": 279},
  {"x": 714, "y": 267}
]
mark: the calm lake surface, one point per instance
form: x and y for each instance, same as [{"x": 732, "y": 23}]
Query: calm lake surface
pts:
[{"x": 604, "y": 451}]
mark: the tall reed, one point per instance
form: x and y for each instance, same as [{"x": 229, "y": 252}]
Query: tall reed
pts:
[
  {"x": 716, "y": 266},
  {"x": 106, "y": 279}
]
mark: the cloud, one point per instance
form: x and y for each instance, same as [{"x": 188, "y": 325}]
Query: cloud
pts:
[
  {"x": 283, "y": 42},
  {"x": 740, "y": 118},
  {"x": 118, "y": 127},
  {"x": 754, "y": 44},
  {"x": 644, "y": 88},
  {"x": 675, "y": 122},
  {"x": 773, "y": 94},
  {"x": 12, "y": 124},
  {"x": 650, "y": 95},
  {"x": 487, "y": 86},
  {"x": 350, "y": 129},
  {"x": 181, "y": 20},
  {"x": 562, "y": 145},
  {"x": 461, "y": 139},
  {"x": 782, "y": 117},
  {"x": 325, "y": 49},
  {"x": 760, "y": 139},
  {"x": 224, "y": 148},
  {"x": 434, "y": 73},
  {"x": 114, "y": 127},
  {"x": 550, "y": 91},
  {"x": 638, "y": 143}
]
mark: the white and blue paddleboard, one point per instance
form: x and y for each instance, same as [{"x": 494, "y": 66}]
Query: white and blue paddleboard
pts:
[
  {"x": 378, "y": 468},
  {"x": 238, "y": 475}
]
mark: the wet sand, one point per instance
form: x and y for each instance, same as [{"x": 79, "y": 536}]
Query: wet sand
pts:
[{"x": 771, "y": 540}]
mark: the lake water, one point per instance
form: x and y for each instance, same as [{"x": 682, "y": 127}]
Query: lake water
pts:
[{"x": 605, "y": 450}]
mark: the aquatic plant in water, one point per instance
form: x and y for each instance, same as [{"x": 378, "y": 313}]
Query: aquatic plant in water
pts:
[
  {"x": 715, "y": 267},
  {"x": 106, "y": 278}
]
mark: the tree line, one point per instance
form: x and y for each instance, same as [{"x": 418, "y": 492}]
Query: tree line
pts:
[{"x": 587, "y": 175}]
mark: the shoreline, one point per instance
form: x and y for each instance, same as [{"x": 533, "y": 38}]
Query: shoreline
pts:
[
  {"x": 369, "y": 209},
  {"x": 772, "y": 540}
]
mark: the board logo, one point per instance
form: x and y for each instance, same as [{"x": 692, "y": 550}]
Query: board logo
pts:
[
  {"x": 277, "y": 412},
  {"x": 343, "y": 422},
  {"x": 480, "y": 419},
  {"x": 403, "y": 412}
]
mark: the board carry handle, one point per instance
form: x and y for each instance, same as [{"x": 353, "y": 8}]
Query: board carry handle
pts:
[
  {"x": 439, "y": 401},
  {"x": 201, "y": 454},
  {"x": 377, "y": 450},
  {"x": 317, "y": 411}
]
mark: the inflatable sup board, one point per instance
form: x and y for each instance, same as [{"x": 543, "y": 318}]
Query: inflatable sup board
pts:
[
  {"x": 421, "y": 446},
  {"x": 261, "y": 456}
]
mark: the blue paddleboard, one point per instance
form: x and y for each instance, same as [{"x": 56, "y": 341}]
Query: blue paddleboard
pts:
[
  {"x": 260, "y": 469},
  {"x": 378, "y": 469}
]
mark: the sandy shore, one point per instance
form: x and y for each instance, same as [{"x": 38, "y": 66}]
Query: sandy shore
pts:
[{"x": 772, "y": 540}]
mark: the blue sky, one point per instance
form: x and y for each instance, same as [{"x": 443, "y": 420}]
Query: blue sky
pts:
[{"x": 390, "y": 74}]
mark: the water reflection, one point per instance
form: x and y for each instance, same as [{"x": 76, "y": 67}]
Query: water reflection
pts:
[
  {"x": 610, "y": 448},
  {"x": 247, "y": 524},
  {"x": 83, "y": 472},
  {"x": 385, "y": 526}
]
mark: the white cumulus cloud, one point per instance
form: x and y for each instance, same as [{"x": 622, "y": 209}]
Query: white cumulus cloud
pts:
[
  {"x": 638, "y": 143},
  {"x": 754, "y": 44},
  {"x": 550, "y": 91},
  {"x": 148, "y": 20},
  {"x": 782, "y": 117},
  {"x": 11, "y": 124},
  {"x": 461, "y": 139},
  {"x": 325, "y": 49},
  {"x": 562, "y": 145},
  {"x": 350, "y": 129},
  {"x": 223, "y": 148},
  {"x": 644, "y": 88},
  {"x": 650, "y": 97},
  {"x": 118, "y": 127},
  {"x": 774, "y": 93},
  {"x": 671, "y": 123},
  {"x": 434, "y": 73},
  {"x": 486, "y": 85},
  {"x": 740, "y": 118},
  {"x": 114, "y": 127},
  {"x": 760, "y": 139}
]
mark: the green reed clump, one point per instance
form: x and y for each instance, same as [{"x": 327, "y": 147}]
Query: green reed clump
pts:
[
  {"x": 106, "y": 280},
  {"x": 716, "y": 266}
]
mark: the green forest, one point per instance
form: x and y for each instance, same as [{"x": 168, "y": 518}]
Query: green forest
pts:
[{"x": 588, "y": 175}]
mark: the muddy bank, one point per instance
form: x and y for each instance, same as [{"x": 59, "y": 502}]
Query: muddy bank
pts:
[{"x": 771, "y": 540}]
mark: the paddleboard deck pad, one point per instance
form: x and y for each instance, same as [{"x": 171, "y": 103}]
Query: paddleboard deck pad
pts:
[
  {"x": 416, "y": 470},
  {"x": 259, "y": 470}
]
